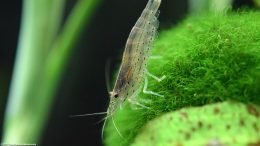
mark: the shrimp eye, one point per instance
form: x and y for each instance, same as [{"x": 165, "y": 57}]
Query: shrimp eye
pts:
[{"x": 116, "y": 95}]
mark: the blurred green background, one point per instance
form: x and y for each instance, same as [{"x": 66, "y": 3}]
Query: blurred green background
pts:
[{"x": 81, "y": 85}]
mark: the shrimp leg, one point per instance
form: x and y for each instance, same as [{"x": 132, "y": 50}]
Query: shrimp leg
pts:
[
  {"x": 145, "y": 91},
  {"x": 155, "y": 77}
]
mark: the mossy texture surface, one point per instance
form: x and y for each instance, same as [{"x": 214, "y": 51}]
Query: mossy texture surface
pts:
[
  {"x": 227, "y": 123},
  {"x": 206, "y": 59}
]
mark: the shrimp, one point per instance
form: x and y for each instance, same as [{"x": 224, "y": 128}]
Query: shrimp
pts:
[
  {"x": 133, "y": 67},
  {"x": 132, "y": 71}
]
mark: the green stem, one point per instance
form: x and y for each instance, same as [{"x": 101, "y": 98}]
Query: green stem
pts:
[
  {"x": 39, "y": 65},
  {"x": 198, "y": 6},
  {"x": 220, "y": 5},
  {"x": 38, "y": 30}
]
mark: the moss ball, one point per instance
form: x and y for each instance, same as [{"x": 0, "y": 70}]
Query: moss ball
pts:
[
  {"x": 220, "y": 124},
  {"x": 206, "y": 59}
]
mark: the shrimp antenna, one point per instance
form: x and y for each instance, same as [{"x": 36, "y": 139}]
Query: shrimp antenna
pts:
[
  {"x": 104, "y": 125},
  {"x": 116, "y": 128},
  {"x": 83, "y": 115},
  {"x": 103, "y": 119},
  {"x": 103, "y": 128}
]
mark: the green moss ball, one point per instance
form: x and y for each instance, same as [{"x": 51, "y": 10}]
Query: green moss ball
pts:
[{"x": 221, "y": 124}]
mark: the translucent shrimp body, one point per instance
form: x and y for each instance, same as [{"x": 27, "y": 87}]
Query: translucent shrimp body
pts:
[
  {"x": 132, "y": 71},
  {"x": 138, "y": 46}
]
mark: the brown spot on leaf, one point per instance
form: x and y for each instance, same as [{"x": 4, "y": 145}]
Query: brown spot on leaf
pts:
[
  {"x": 187, "y": 136},
  {"x": 209, "y": 126},
  {"x": 216, "y": 110},
  {"x": 200, "y": 124},
  {"x": 193, "y": 129},
  {"x": 184, "y": 114},
  {"x": 228, "y": 126},
  {"x": 253, "y": 110},
  {"x": 241, "y": 122},
  {"x": 256, "y": 127}
]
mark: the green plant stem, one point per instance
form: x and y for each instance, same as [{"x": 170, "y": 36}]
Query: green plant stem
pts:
[
  {"x": 40, "y": 61},
  {"x": 199, "y": 6},
  {"x": 220, "y": 5},
  {"x": 38, "y": 30}
]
